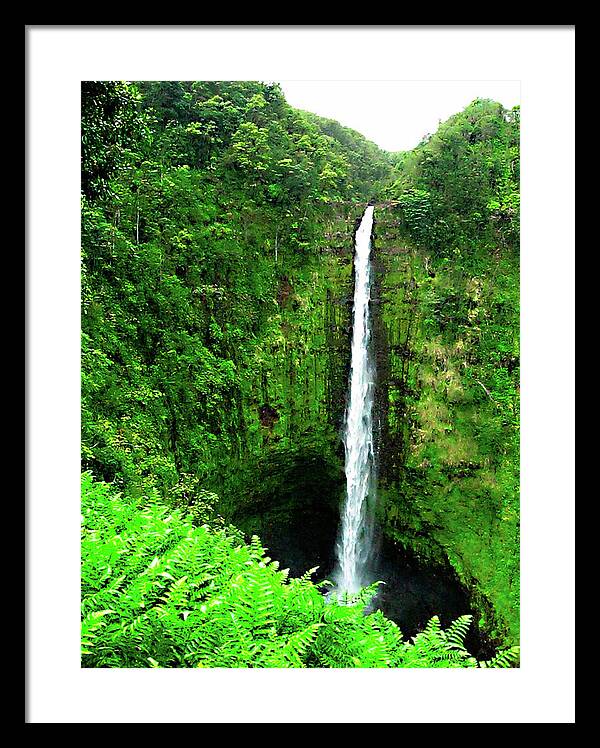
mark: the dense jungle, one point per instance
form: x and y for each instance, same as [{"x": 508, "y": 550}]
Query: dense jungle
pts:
[{"x": 218, "y": 230}]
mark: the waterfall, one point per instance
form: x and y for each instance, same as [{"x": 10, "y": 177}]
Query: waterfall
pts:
[{"x": 356, "y": 537}]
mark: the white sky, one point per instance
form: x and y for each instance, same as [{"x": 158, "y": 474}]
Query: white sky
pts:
[{"x": 395, "y": 114}]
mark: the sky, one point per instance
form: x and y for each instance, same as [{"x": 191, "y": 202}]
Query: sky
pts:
[{"x": 395, "y": 114}]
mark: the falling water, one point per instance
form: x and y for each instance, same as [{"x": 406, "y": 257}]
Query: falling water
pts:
[{"x": 356, "y": 537}]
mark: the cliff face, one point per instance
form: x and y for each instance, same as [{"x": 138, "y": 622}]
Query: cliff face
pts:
[
  {"x": 447, "y": 355},
  {"x": 287, "y": 479},
  {"x": 447, "y": 445}
]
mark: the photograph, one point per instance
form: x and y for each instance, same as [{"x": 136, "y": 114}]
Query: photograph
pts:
[{"x": 300, "y": 377}]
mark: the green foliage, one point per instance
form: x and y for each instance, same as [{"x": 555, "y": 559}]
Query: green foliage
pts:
[
  {"x": 451, "y": 311},
  {"x": 369, "y": 168},
  {"x": 110, "y": 128},
  {"x": 188, "y": 237},
  {"x": 214, "y": 336},
  {"x": 460, "y": 187},
  {"x": 160, "y": 591}
]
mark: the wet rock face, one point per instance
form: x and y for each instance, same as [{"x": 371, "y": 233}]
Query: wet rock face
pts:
[
  {"x": 296, "y": 393},
  {"x": 268, "y": 416},
  {"x": 290, "y": 498},
  {"x": 441, "y": 488},
  {"x": 301, "y": 537}
]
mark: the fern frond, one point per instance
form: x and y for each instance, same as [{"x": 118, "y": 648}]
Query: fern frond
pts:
[{"x": 504, "y": 659}]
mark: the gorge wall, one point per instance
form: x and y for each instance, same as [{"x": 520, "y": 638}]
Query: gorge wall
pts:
[
  {"x": 447, "y": 410},
  {"x": 287, "y": 480},
  {"x": 444, "y": 491}
]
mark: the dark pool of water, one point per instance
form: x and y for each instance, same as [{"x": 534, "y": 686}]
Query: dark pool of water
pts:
[{"x": 412, "y": 592}]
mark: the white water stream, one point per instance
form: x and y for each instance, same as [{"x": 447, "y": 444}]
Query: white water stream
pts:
[{"x": 354, "y": 546}]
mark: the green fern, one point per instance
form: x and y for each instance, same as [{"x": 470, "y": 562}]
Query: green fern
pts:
[
  {"x": 505, "y": 658},
  {"x": 158, "y": 591}
]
